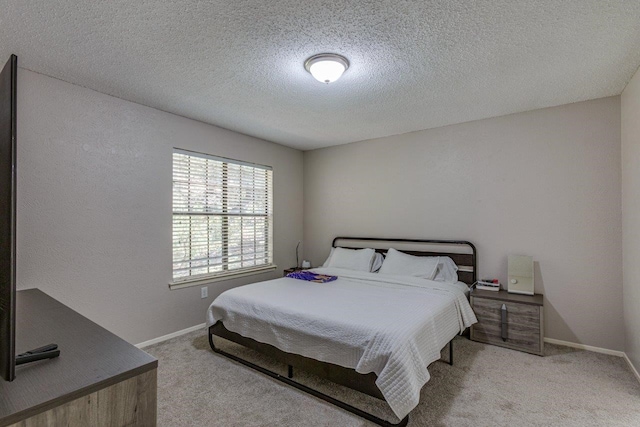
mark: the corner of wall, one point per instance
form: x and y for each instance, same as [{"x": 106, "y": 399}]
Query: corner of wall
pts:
[{"x": 630, "y": 145}]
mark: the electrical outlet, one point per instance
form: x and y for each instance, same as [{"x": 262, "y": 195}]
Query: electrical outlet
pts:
[{"x": 204, "y": 292}]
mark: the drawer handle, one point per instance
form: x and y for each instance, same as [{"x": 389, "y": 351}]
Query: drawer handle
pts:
[{"x": 503, "y": 316}]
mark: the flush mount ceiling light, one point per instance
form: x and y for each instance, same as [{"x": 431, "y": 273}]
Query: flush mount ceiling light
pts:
[{"x": 326, "y": 67}]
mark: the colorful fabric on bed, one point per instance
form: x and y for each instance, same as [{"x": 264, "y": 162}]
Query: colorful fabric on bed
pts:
[{"x": 310, "y": 276}]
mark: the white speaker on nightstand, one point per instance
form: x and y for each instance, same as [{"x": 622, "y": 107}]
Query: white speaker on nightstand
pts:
[{"x": 520, "y": 272}]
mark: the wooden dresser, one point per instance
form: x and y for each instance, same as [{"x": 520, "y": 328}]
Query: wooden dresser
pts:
[
  {"x": 509, "y": 320},
  {"x": 98, "y": 379}
]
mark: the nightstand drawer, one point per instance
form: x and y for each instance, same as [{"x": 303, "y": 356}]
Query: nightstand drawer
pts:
[
  {"x": 519, "y": 337},
  {"x": 522, "y": 329},
  {"x": 491, "y": 310}
]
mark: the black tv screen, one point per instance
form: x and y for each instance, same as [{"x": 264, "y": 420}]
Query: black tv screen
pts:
[{"x": 8, "y": 92}]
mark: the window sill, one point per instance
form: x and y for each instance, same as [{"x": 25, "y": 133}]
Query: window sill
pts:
[{"x": 219, "y": 277}]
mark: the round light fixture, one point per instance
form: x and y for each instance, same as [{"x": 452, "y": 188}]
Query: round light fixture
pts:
[{"x": 326, "y": 67}]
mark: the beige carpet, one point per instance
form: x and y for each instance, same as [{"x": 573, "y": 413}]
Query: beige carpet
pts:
[{"x": 486, "y": 386}]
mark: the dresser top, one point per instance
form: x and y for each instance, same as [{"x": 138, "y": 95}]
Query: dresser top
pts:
[{"x": 91, "y": 358}]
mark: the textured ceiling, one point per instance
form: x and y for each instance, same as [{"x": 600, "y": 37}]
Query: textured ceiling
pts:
[{"x": 414, "y": 64}]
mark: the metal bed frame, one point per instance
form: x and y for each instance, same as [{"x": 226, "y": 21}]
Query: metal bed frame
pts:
[{"x": 364, "y": 383}]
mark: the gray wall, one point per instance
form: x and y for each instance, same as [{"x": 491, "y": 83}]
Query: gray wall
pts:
[
  {"x": 94, "y": 204},
  {"x": 546, "y": 183},
  {"x": 631, "y": 216}
]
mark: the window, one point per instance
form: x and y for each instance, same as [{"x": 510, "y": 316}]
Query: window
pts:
[{"x": 222, "y": 217}]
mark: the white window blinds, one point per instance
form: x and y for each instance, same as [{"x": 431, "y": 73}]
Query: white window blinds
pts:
[{"x": 222, "y": 216}]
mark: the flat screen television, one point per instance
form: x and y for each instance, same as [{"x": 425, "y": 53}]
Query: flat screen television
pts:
[
  {"x": 8, "y": 123},
  {"x": 8, "y": 178}
]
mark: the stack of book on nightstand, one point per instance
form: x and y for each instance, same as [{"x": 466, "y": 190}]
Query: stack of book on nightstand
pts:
[{"x": 487, "y": 285}]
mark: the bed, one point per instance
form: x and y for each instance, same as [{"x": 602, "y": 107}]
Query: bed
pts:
[{"x": 374, "y": 332}]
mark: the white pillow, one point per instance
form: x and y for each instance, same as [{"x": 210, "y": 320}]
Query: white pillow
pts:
[
  {"x": 378, "y": 259},
  {"x": 326, "y": 263},
  {"x": 351, "y": 259},
  {"x": 402, "y": 264},
  {"x": 446, "y": 270}
]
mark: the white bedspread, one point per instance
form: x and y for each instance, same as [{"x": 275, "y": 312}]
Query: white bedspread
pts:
[{"x": 394, "y": 326}]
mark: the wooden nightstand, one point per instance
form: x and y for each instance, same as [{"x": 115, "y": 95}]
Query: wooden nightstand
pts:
[{"x": 523, "y": 325}]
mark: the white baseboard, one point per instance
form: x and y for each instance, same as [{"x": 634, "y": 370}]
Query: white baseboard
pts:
[
  {"x": 585, "y": 347},
  {"x": 171, "y": 335},
  {"x": 633, "y": 368}
]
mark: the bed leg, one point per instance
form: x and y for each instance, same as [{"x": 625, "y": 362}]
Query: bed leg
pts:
[
  {"x": 451, "y": 352},
  {"x": 290, "y": 372}
]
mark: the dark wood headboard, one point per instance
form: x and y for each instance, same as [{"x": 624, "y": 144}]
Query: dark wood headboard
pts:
[{"x": 463, "y": 253}]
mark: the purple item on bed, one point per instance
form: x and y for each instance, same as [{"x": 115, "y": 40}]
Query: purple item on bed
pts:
[{"x": 310, "y": 276}]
